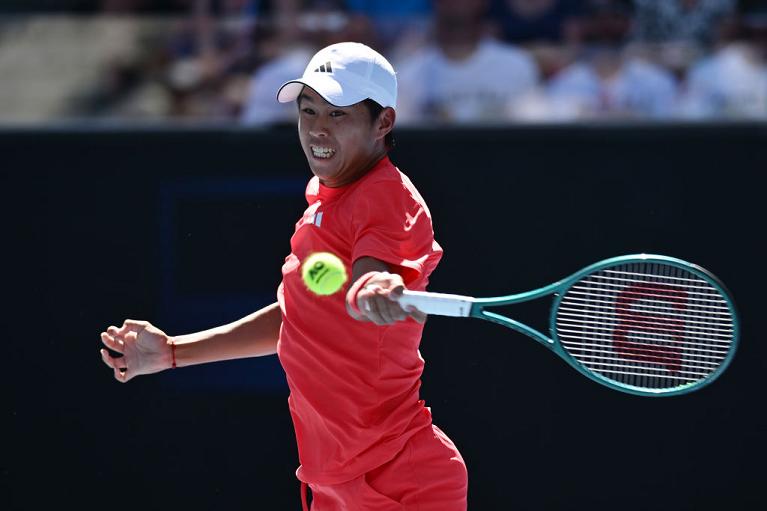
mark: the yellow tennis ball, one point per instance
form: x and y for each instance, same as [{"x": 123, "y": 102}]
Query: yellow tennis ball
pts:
[{"x": 323, "y": 273}]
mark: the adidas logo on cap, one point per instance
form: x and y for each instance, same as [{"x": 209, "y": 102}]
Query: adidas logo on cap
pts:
[{"x": 324, "y": 68}]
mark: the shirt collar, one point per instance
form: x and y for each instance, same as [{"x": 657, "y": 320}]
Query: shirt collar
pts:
[{"x": 316, "y": 191}]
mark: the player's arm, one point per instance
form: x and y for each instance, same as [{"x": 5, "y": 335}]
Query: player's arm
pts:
[
  {"x": 377, "y": 299},
  {"x": 254, "y": 335},
  {"x": 146, "y": 349}
]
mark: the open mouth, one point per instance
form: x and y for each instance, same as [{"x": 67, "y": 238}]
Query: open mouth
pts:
[{"x": 322, "y": 153}]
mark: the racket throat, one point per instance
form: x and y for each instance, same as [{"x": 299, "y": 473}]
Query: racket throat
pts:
[{"x": 515, "y": 325}]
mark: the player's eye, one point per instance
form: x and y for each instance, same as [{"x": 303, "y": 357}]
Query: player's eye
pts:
[
  {"x": 307, "y": 111},
  {"x": 337, "y": 113}
]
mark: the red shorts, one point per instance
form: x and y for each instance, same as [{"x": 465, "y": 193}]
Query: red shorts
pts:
[{"x": 428, "y": 474}]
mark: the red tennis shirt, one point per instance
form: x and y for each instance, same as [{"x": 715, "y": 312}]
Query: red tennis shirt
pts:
[{"x": 354, "y": 385}]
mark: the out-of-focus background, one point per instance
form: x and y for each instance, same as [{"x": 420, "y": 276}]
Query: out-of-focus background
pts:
[
  {"x": 459, "y": 62},
  {"x": 147, "y": 172}
]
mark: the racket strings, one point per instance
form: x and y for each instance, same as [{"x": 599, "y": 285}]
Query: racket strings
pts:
[
  {"x": 636, "y": 327},
  {"x": 693, "y": 348},
  {"x": 648, "y": 325},
  {"x": 689, "y": 318},
  {"x": 661, "y": 355},
  {"x": 646, "y": 293},
  {"x": 677, "y": 282}
]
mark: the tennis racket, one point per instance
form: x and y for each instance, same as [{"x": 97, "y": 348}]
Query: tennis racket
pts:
[{"x": 649, "y": 325}]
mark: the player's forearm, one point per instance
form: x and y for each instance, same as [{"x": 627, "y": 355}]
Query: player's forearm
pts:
[{"x": 254, "y": 335}]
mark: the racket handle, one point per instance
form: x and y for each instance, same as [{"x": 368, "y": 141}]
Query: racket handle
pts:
[{"x": 440, "y": 304}]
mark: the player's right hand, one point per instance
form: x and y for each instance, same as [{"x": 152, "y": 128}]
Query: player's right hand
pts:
[
  {"x": 378, "y": 301},
  {"x": 145, "y": 349}
]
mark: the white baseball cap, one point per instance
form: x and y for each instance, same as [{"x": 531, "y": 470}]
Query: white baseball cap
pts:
[{"x": 345, "y": 74}]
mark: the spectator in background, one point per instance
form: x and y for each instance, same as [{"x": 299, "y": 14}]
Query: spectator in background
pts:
[
  {"x": 190, "y": 68},
  {"x": 463, "y": 76},
  {"x": 607, "y": 81},
  {"x": 392, "y": 19},
  {"x": 731, "y": 83},
  {"x": 547, "y": 30},
  {"x": 609, "y": 84},
  {"x": 317, "y": 25},
  {"x": 209, "y": 60},
  {"x": 534, "y": 21},
  {"x": 695, "y": 21},
  {"x": 260, "y": 108}
]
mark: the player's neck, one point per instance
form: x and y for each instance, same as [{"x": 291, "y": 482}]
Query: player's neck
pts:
[
  {"x": 375, "y": 157},
  {"x": 361, "y": 170}
]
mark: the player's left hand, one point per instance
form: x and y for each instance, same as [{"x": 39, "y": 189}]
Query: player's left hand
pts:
[{"x": 378, "y": 300}]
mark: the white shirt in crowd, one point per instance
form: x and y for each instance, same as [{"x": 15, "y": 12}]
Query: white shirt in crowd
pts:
[
  {"x": 480, "y": 88},
  {"x": 261, "y": 107},
  {"x": 637, "y": 89},
  {"x": 730, "y": 83}
]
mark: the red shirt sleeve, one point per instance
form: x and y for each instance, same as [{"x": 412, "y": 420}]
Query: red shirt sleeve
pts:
[{"x": 392, "y": 223}]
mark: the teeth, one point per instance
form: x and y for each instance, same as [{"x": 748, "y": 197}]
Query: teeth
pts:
[{"x": 322, "y": 152}]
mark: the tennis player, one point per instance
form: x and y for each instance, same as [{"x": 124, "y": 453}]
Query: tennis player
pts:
[{"x": 365, "y": 439}]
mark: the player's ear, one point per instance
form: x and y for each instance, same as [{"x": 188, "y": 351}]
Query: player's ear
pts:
[{"x": 385, "y": 122}]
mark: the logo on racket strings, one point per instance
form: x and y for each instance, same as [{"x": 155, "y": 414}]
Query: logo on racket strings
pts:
[{"x": 650, "y": 324}]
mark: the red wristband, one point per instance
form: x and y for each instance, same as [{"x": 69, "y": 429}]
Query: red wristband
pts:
[
  {"x": 351, "y": 295},
  {"x": 173, "y": 353}
]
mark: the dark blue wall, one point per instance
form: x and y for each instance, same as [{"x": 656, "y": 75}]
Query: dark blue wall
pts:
[{"x": 188, "y": 229}]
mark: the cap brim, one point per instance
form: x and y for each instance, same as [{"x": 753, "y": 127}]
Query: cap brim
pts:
[{"x": 324, "y": 85}]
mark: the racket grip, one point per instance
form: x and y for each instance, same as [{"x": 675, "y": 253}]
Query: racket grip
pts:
[{"x": 441, "y": 304}]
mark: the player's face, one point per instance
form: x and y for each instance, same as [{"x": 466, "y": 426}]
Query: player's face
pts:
[{"x": 340, "y": 143}]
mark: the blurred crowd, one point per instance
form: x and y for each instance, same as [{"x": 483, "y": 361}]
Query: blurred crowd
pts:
[{"x": 457, "y": 61}]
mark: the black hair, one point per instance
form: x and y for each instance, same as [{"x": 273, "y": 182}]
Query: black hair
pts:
[{"x": 375, "y": 110}]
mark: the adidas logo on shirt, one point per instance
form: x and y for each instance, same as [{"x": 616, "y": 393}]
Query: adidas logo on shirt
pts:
[
  {"x": 315, "y": 219},
  {"x": 324, "y": 68}
]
